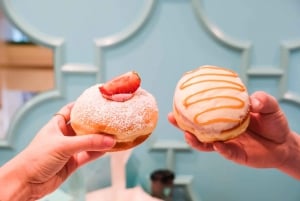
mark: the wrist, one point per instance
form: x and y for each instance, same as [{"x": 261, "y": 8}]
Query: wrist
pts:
[
  {"x": 13, "y": 182},
  {"x": 291, "y": 166}
]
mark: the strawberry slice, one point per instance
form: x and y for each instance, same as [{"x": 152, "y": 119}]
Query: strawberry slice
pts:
[{"x": 121, "y": 88}]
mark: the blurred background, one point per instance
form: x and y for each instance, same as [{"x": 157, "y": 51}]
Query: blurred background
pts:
[{"x": 51, "y": 50}]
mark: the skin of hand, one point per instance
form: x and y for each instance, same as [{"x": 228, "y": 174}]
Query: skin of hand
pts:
[
  {"x": 268, "y": 141},
  {"x": 51, "y": 157}
]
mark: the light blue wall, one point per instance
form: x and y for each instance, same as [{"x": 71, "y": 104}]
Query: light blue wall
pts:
[{"x": 258, "y": 39}]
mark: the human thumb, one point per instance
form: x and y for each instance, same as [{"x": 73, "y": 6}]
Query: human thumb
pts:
[{"x": 263, "y": 103}]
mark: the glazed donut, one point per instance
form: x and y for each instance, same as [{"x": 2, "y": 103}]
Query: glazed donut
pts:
[
  {"x": 120, "y": 108},
  {"x": 212, "y": 103}
]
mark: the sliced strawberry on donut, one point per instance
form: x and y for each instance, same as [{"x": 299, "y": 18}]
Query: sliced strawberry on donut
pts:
[{"x": 122, "y": 87}]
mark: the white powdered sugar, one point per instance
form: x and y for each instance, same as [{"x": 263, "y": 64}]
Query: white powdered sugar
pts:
[{"x": 128, "y": 117}]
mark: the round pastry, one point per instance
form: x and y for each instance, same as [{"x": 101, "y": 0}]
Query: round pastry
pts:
[
  {"x": 120, "y": 108},
  {"x": 212, "y": 103}
]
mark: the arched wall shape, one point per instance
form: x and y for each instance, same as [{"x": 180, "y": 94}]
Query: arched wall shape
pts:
[
  {"x": 286, "y": 47},
  {"x": 40, "y": 38},
  {"x": 168, "y": 53},
  {"x": 243, "y": 46},
  {"x": 120, "y": 37},
  {"x": 286, "y": 50},
  {"x": 62, "y": 69}
]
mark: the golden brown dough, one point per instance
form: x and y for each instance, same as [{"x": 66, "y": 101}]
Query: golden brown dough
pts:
[{"x": 131, "y": 121}]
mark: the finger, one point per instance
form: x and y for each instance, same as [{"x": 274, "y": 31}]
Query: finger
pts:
[
  {"x": 263, "y": 103},
  {"x": 196, "y": 144},
  {"x": 223, "y": 149},
  {"x": 85, "y": 157},
  {"x": 90, "y": 142},
  {"x": 63, "y": 115},
  {"x": 62, "y": 118},
  {"x": 79, "y": 160},
  {"x": 172, "y": 119},
  {"x": 230, "y": 151}
]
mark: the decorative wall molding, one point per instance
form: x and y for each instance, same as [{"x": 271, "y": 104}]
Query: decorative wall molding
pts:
[
  {"x": 79, "y": 68},
  {"x": 97, "y": 68},
  {"x": 60, "y": 67},
  {"x": 171, "y": 147},
  {"x": 245, "y": 47},
  {"x": 122, "y": 36},
  {"x": 242, "y": 46},
  {"x": 286, "y": 50},
  {"x": 55, "y": 43}
]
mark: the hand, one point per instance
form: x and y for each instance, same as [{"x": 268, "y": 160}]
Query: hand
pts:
[
  {"x": 266, "y": 143},
  {"x": 54, "y": 154}
]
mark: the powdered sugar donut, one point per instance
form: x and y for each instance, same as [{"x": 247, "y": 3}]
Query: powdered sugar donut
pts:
[{"x": 130, "y": 117}]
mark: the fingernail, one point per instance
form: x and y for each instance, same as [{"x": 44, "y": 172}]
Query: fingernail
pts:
[
  {"x": 108, "y": 141},
  {"x": 215, "y": 146},
  {"x": 255, "y": 103},
  {"x": 218, "y": 146}
]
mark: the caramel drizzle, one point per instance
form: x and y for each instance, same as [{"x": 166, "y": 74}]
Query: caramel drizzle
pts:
[{"x": 228, "y": 85}]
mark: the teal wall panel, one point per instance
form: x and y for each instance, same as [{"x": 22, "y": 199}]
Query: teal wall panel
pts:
[{"x": 96, "y": 40}]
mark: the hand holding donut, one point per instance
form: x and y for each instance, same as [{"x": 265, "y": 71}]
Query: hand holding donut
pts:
[
  {"x": 267, "y": 142},
  {"x": 113, "y": 116},
  {"x": 52, "y": 156}
]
